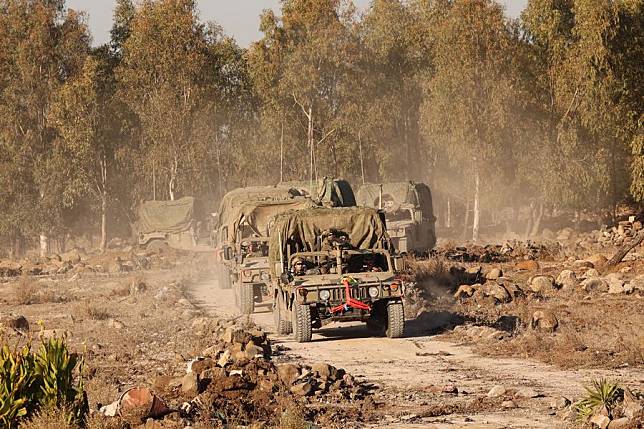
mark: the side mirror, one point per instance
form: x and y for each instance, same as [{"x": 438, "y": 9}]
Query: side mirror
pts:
[
  {"x": 399, "y": 263},
  {"x": 228, "y": 253}
]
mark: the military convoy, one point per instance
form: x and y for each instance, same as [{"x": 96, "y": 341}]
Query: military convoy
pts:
[{"x": 312, "y": 250}]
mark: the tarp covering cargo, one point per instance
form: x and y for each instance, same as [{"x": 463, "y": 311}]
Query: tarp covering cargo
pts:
[
  {"x": 326, "y": 191},
  {"x": 302, "y": 229},
  {"x": 394, "y": 195},
  {"x": 166, "y": 216},
  {"x": 259, "y": 214},
  {"x": 231, "y": 203}
]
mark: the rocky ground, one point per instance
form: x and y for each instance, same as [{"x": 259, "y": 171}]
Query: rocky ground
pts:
[{"x": 497, "y": 336}]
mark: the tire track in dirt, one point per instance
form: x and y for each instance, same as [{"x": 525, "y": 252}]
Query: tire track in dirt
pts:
[{"x": 419, "y": 363}]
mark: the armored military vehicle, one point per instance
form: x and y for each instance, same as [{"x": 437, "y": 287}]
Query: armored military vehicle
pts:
[
  {"x": 251, "y": 273},
  {"x": 224, "y": 234},
  {"x": 409, "y": 212},
  {"x": 334, "y": 264},
  {"x": 178, "y": 224}
]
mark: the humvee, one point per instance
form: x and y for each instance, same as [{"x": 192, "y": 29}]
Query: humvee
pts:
[
  {"x": 334, "y": 264},
  {"x": 224, "y": 232},
  {"x": 178, "y": 224},
  {"x": 250, "y": 274},
  {"x": 409, "y": 212}
]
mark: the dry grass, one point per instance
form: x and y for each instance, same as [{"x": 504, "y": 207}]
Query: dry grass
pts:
[
  {"x": 293, "y": 419},
  {"x": 48, "y": 418},
  {"x": 93, "y": 311},
  {"x": 26, "y": 291}
]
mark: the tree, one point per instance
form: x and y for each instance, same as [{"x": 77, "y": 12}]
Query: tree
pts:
[
  {"x": 469, "y": 99},
  {"x": 44, "y": 45},
  {"x": 85, "y": 118}
]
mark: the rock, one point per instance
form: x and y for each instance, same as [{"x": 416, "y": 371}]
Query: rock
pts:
[
  {"x": 252, "y": 350},
  {"x": 599, "y": 421},
  {"x": 558, "y": 402},
  {"x": 494, "y": 274},
  {"x": 595, "y": 284},
  {"x": 19, "y": 323},
  {"x": 508, "y": 404},
  {"x": 10, "y": 269},
  {"x": 582, "y": 263},
  {"x": 620, "y": 423},
  {"x": 526, "y": 392},
  {"x": 615, "y": 283},
  {"x": 496, "y": 391},
  {"x": 288, "y": 373},
  {"x": 497, "y": 291},
  {"x": 567, "y": 279},
  {"x": 325, "y": 371},
  {"x": 465, "y": 291},
  {"x": 544, "y": 321},
  {"x": 616, "y": 289},
  {"x": 303, "y": 389},
  {"x": 529, "y": 265},
  {"x": 591, "y": 273},
  {"x": 190, "y": 384},
  {"x": 115, "y": 324},
  {"x": 224, "y": 359},
  {"x": 198, "y": 366},
  {"x": 632, "y": 406},
  {"x": 598, "y": 260},
  {"x": 542, "y": 284}
]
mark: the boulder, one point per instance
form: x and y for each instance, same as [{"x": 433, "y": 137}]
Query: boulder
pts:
[
  {"x": 595, "y": 284},
  {"x": 581, "y": 264},
  {"x": 544, "y": 321},
  {"x": 466, "y": 291},
  {"x": 542, "y": 284},
  {"x": 303, "y": 389},
  {"x": 19, "y": 323},
  {"x": 325, "y": 371},
  {"x": 288, "y": 373},
  {"x": 496, "y": 391},
  {"x": 558, "y": 402},
  {"x": 591, "y": 273},
  {"x": 497, "y": 291},
  {"x": 190, "y": 384},
  {"x": 529, "y": 265},
  {"x": 621, "y": 423},
  {"x": 494, "y": 274},
  {"x": 508, "y": 404},
  {"x": 567, "y": 279},
  {"x": 599, "y": 421},
  {"x": 598, "y": 260},
  {"x": 252, "y": 350},
  {"x": 10, "y": 268}
]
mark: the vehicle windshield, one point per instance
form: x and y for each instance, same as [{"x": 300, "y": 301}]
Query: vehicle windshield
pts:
[
  {"x": 398, "y": 215},
  {"x": 351, "y": 262},
  {"x": 254, "y": 248}
]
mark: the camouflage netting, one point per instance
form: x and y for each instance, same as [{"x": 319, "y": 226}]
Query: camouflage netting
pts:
[
  {"x": 259, "y": 214},
  {"x": 304, "y": 228},
  {"x": 327, "y": 191},
  {"x": 166, "y": 216},
  {"x": 232, "y": 202},
  {"x": 394, "y": 194}
]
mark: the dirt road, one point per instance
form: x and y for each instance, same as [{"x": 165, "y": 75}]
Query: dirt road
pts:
[{"x": 418, "y": 374}]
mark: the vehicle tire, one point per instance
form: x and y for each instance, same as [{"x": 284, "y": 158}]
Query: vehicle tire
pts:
[
  {"x": 301, "y": 319},
  {"x": 395, "y": 319},
  {"x": 157, "y": 245},
  {"x": 226, "y": 281},
  {"x": 246, "y": 298},
  {"x": 283, "y": 327}
]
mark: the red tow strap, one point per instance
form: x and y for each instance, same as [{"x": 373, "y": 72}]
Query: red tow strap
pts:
[{"x": 350, "y": 302}]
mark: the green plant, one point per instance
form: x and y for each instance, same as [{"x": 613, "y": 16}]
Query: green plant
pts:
[
  {"x": 601, "y": 394},
  {"x": 30, "y": 381}
]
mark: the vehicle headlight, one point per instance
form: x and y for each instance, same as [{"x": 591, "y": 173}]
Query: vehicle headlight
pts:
[
  {"x": 374, "y": 292},
  {"x": 325, "y": 295}
]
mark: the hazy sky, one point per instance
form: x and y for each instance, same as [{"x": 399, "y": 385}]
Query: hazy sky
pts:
[{"x": 239, "y": 18}]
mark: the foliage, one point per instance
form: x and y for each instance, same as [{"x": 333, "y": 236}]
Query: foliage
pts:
[
  {"x": 601, "y": 394},
  {"x": 46, "y": 378}
]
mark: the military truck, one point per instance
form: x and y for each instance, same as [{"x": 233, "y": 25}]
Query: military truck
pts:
[
  {"x": 224, "y": 234},
  {"x": 409, "y": 212},
  {"x": 327, "y": 192},
  {"x": 251, "y": 273},
  {"x": 178, "y": 224},
  {"x": 334, "y": 264}
]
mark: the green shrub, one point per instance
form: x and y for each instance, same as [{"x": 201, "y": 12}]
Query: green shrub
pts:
[
  {"x": 600, "y": 394},
  {"x": 30, "y": 381}
]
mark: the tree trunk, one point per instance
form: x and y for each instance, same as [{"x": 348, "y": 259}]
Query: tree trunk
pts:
[
  {"x": 448, "y": 218},
  {"x": 103, "y": 221},
  {"x": 44, "y": 244},
  {"x": 477, "y": 206},
  {"x": 173, "y": 177},
  {"x": 309, "y": 136},
  {"x": 536, "y": 226},
  {"x": 466, "y": 223},
  {"x": 623, "y": 251},
  {"x": 282, "y": 154}
]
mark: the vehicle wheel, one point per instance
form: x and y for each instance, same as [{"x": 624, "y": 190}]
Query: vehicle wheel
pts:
[
  {"x": 395, "y": 319},
  {"x": 302, "y": 329},
  {"x": 225, "y": 279},
  {"x": 246, "y": 298},
  {"x": 283, "y": 327}
]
